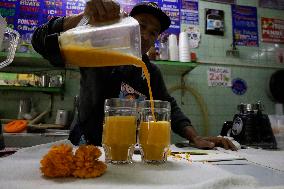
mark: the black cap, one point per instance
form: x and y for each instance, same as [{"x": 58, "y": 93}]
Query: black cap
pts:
[{"x": 154, "y": 9}]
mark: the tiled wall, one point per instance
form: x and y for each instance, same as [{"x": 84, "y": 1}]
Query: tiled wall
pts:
[{"x": 221, "y": 102}]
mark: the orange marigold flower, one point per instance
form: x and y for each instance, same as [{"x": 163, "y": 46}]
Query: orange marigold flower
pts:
[
  {"x": 88, "y": 152},
  {"x": 95, "y": 169},
  {"x": 58, "y": 162},
  {"x": 86, "y": 162}
]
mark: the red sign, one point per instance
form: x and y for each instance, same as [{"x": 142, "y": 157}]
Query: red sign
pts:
[{"x": 272, "y": 30}]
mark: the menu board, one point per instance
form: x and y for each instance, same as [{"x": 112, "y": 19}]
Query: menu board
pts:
[
  {"x": 272, "y": 30},
  {"x": 245, "y": 31}
]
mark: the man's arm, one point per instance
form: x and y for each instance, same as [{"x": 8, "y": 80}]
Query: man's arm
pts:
[
  {"x": 45, "y": 41},
  {"x": 45, "y": 37}
]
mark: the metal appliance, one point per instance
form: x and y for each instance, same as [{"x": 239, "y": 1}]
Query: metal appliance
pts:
[{"x": 251, "y": 127}]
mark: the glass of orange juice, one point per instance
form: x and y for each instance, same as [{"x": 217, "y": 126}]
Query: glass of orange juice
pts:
[
  {"x": 154, "y": 132},
  {"x": 119, "y": 130}
]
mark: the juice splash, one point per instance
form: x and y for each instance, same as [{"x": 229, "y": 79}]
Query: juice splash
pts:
[{"x": 85, "y": 56}]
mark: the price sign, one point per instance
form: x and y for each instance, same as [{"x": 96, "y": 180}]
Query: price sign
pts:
[{"x": 219, "y": 76}]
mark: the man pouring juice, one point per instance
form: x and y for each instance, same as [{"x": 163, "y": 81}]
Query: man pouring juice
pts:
[{"x": 100, "y": 83}]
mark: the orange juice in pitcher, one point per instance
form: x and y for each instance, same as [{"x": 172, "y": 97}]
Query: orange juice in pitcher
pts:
[{"x": 98, "y": 46}]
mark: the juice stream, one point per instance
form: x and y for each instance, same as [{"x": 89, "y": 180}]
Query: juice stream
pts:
[{"x": 99, "y": 57}]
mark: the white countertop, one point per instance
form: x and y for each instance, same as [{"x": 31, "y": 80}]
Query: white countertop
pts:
[{"x": 21, "y": 170}]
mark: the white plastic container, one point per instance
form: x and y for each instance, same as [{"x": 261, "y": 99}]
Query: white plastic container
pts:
[
  {"x": 184, "y": 51},
  {"x": 173, "y": 48}
]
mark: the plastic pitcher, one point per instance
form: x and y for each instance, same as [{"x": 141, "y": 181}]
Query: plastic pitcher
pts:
[
  {"x": 14, "y": 39},
  {"x": 96, "y": 46}
]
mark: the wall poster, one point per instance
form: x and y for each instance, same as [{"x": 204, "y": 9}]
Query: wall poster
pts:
[
  {"x": 171, "y": 8},
  {"x": 214, "y": 23},
  {"x": 272, "y": 30},
  {"x": 245, "y": 30},
  {"x": 189, "y": 13}
]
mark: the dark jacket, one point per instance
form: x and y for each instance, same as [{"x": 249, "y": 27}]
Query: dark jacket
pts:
[{"x": 98, "y": 84}]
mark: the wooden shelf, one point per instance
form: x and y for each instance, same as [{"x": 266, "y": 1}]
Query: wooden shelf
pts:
[{"x": 32, "y": 89}]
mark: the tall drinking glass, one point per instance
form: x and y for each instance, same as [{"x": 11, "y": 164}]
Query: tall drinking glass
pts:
[
  {"x": 154, "y": 133},
  {"x": 119, "y": 130}
]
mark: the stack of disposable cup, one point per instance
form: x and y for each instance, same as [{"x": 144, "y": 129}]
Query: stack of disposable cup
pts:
[
  {"x": 184, "y": 51},
  {"x": 173, "y": 48}
]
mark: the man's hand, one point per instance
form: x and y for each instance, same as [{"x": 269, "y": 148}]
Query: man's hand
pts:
[
  {"x": 211, "y": 142},
  {"x": 102, "y": 11},
  {"x": 207, "y": 142}
]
